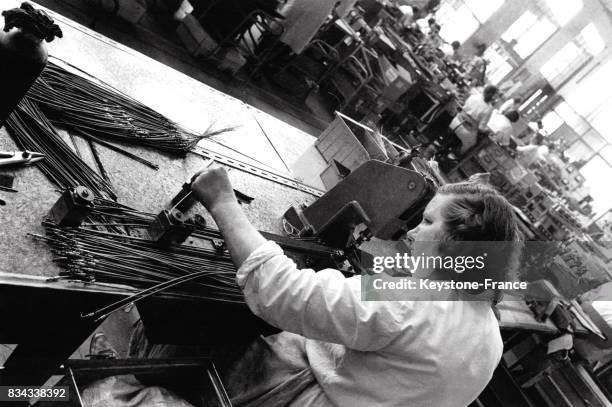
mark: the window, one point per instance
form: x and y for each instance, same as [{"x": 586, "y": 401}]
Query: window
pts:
[
  {"x": 573, "y": 119},
  {"x": 594, "y": 140},
  {"x": 591, "y": 95},
  {"x": 587, "y": 138},
  {"x": 591, "y": 39},
  {"x": 580, "y": 151},
  {"x": 483, "y": 9},
  {"x": 573, "y": 56},
  {"x": 498, "y": 67},
  {"x": 459, "y": 19},
  {"x": 521, "y": 25},
  {"x": 552, "y": 121},
  {"x": 565, "y": 63},
  {"x": 564, "y": 133},
  {"x": 601, "y": 121},
  {"x": 598, "y": 173},
  {"x": 606, "y": 154},
  {"x": 528, "y": 32},
  {"x": 564, "y": 10},
  {"x": 594, "y": 101}
]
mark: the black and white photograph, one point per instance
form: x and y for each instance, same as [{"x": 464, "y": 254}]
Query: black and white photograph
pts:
[{"x": 306, "y": 203}]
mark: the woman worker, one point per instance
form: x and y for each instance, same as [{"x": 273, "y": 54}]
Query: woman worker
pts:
[
  {"x": 477, "y": 67},
  {"x": 337, "y": 350},
  {"x": 474, "y": 117}
]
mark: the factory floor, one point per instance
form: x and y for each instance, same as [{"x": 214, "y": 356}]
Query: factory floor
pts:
[{"x": 155, "y": 36}]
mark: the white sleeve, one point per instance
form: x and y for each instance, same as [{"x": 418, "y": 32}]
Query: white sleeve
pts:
[
  {"x": 484, "y": 119},
  {"x": 324, "y": 305},
  {"x": 506, "y": 106}
]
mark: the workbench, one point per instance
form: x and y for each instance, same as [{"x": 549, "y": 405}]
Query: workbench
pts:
[
  {"x": 194, "y": 106},
  {"x": 43, "y": 315}
]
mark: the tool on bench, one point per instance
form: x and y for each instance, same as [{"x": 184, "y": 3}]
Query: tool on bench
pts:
[
  {"x": 170, "y": 226},
  {"x": 10, "y": 158},
  {"x": 6, "y": 183},
  {"x": 72, "y": 207},
  {"x": 15, "y": 158}
]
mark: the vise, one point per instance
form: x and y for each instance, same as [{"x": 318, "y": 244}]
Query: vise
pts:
[
  {"x": 72, "y": 207},
  {"x": 170, "y": 228}
]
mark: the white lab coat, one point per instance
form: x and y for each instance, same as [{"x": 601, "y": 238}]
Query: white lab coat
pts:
[
  {"x": 337, "y": 350},
  {"x": 531, "y": 154},
  {"x": 474, "y": 116},
  {"x": 368, "y": 353},
  {"x": 408, "y": 16},
  {"x": 501, "y": 127}
]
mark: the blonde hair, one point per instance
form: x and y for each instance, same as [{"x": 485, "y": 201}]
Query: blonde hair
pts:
[{"x": 479, "y": 213}]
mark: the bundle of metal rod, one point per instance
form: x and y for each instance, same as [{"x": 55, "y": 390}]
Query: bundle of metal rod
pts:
[
  {"x": 95, "y": 255},
  {"x": 74, "y": 102},
  {"x": 105, "y": 249},
  {"x": 102, "y": 313},
  {"x": 31, "y": 130},
  {"x": 91, "y": 139}
]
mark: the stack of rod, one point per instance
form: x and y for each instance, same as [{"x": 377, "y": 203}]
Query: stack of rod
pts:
[
  {"x": 106, "y": 249},
  {"x": 99, "y": 111},
  {"x": 88, "y": 254},
  {"x": 31, "y": 130}
]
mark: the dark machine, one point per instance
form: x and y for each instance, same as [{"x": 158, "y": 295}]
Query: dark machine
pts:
[
  {"x": 387, "y": 199},
  {"x": 23, "y": 54}
]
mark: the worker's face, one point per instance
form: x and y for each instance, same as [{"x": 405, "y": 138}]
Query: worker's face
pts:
[{"x": 432, "y": 227}]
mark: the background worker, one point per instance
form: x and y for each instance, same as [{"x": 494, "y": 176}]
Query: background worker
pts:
[
  {"x": 474, "y": 117},
  {"x": 409, "y": 15},
  {"x": 532, "y": 153},
  {"x": 457, "y": 55},
  {"x": 501, "y": 126},
  {"x": 511, "y": 104},
  {"x": 434, "y": 40},
  {"x": 477, "y": 66}
]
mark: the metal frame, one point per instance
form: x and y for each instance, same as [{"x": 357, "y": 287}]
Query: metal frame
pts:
[
  {"x": 366, "y": 70},
  {"x": 329, "y": 52},
  {"x": 246, "y": 41}
]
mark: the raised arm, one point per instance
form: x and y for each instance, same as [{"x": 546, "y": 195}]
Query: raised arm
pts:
[
  {"x": 215, "y": 192},
  {"x": 324, "y": 305}
]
